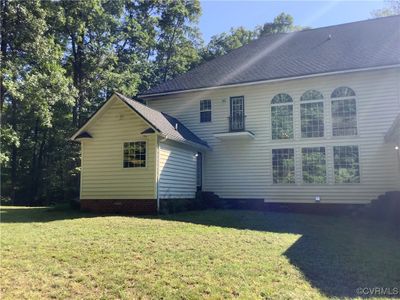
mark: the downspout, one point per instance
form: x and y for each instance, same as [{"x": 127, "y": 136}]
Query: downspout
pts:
[
  {"x": 158, "y": 171},
  {"x": 158, "y": 176}
]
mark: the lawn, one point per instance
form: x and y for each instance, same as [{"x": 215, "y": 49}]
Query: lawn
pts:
[{"x": 50, "y": 253}]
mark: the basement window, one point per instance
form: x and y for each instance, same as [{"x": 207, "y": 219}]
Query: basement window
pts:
[
  {"x": 205, "y": 111},
  {"x": 135, "y": 155}
]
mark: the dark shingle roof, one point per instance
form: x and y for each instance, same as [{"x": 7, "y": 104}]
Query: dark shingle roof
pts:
[
  {"x": 168, "y": 126},
  {"x": 357, "y": 45}
]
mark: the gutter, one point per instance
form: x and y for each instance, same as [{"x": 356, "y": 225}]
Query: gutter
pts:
[{"x": 269, "y": 81}]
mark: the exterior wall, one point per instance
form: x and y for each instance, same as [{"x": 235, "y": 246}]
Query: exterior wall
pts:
[
  {"x": 243, "y": 169},
  {"x": 177, "y": 172},
  {"x": 103, "y": 175}
]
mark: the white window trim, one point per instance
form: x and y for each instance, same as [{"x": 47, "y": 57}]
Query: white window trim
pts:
[
  {"x": 206, "y": 110},
  {"x": 293, "y": 117},
  {"x": 146, "y": 151},
  {"x": 323, "y": 114},
  {"x": 331, "y": 100}
]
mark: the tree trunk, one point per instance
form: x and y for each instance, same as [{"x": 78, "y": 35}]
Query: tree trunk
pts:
[{"x": 3, "y": 48}]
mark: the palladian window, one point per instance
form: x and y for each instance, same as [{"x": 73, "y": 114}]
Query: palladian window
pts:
[
  {"x": 312, "y": 114},
  {"x": 282, "y": 117},
  {"x": 344, "y": 112}
]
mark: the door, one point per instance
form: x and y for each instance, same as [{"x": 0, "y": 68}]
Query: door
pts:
[
  {"x": 237, "y": 114},
  {"x": 199, "y": 171}
]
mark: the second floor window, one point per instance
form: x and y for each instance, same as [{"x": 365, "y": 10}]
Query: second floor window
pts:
[
  {"x": 344, "y": 112},
  {"x": 282, "y": 117},
  {"x": 205, "y": 111},
  {"x": 312, "y": 114}
]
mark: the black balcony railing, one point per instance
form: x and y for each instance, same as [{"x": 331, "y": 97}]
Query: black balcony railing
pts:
[{"x": 237, "y": 122}]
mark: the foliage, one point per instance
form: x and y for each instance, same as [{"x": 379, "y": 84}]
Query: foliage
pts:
[
  {"x": 223, "y": 43},
  {"x": 62, "y": 59},
  {"x": 392, "y": 8}
]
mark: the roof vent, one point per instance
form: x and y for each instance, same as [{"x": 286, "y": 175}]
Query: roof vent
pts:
[
  {"x": 329, "y": 36},
  {"x": 176, "y": 126}
]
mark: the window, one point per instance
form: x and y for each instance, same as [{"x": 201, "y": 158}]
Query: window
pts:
[
  {"x": 282, "y": 117},
  {"x": 283, "y": 165},
  {"x": 314, "y": 165},
  {"x": 205, "y": 111},
  {"x": 344, "y": 112},
  {"x": 135, "y": 155},
  {"x": 346, "y": 164},
  {"x": 237, "y": 117},
  {"x": 312, "y": 114}
]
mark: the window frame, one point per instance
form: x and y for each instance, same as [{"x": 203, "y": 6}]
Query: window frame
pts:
[
  {"x": 281, "y": 104},
  {"x": 359, "y": 165},
  {"x": 294, "y": 166},
  {"x": 205, "y": 110},
  {"x": 123, "y": 155},
  {"x": 344, "y": 98},
  {"x": 325, "y": 164},
  {"x": 305, "y": 102}
]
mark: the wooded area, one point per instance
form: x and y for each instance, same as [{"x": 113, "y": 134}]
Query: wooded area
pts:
[{"x": 61, "y": 59}]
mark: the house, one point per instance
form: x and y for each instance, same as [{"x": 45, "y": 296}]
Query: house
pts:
[{"x": 304, "y": 117}]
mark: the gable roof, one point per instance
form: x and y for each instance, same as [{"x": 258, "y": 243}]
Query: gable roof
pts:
[
  {"x": 352, "y": 46},
  {"x": 169, "y": 127}
]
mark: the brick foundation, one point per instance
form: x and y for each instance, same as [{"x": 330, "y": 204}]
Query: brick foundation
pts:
[{"x": 123, "y": 206}]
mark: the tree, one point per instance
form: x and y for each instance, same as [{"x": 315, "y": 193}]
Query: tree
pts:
[
  {"x": 223, "y": 43},
  {"x": 237, "y": 37},
  {"x": 392, "y": 8},
  {"x": 177, "y": 40},
  {"x": 33, "y": 82}
]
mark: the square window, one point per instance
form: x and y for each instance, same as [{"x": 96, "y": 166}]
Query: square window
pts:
[{"x": 134, "y": 155}]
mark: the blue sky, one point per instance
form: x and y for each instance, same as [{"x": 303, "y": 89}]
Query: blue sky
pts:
[{"x": 220, "y": 16}]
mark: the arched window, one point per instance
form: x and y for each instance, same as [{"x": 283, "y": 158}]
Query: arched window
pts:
[
  {"x": 312, "y": 95},
  {"x": 344, "y": 112},
  {"x": 343, "y": 91},
  {"x": 312, "y": 114},
  {"x": 282, "y": 117}
]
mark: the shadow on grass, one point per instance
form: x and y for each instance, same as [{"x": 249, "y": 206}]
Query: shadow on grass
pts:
[
  {"x": 336, "y": 254},
  {"x": 16, "y": 214}
]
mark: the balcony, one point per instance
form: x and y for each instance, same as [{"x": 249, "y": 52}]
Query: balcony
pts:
[{"x": 237, "y": 129}]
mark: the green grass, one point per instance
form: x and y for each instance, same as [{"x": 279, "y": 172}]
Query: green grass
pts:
[{"x": 47, "y": 253}]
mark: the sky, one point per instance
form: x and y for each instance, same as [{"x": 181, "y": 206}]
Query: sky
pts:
[{"x": 220, "y": 16}]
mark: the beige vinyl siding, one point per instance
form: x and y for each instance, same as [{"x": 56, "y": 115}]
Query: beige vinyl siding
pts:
[
  {"x": 243, "y": 168},
  {"x": 177, "y": 172},
  {"x": 103, "y": 175}
]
